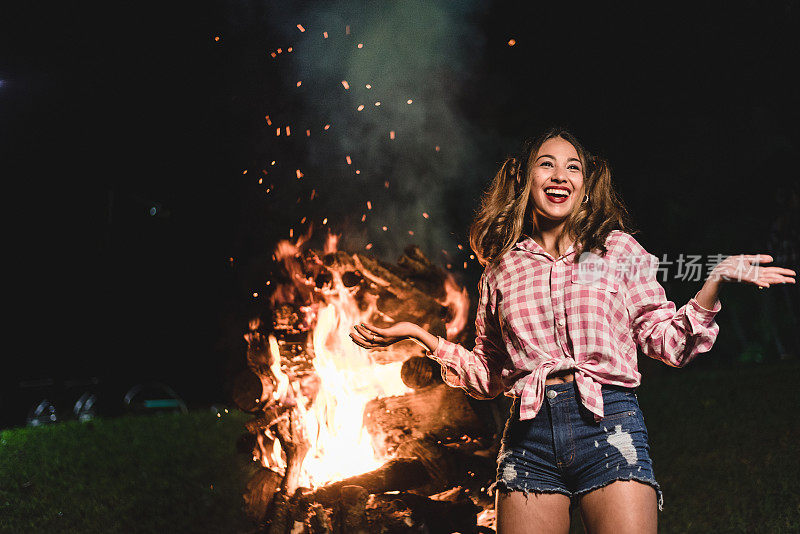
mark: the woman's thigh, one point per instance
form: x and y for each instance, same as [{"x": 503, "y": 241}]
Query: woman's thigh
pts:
[
  {"x": 622, "y": 507},
  {"x": 523, "y": 513}
]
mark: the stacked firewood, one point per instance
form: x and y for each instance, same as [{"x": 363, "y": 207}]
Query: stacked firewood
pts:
[{"x": 440, "y": 444}]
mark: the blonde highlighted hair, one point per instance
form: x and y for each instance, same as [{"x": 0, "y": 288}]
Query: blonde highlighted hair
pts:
[{"x": 505, "y": 212}]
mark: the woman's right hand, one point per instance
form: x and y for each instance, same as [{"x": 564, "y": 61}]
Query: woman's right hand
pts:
[{"x": 372, "y": 337}]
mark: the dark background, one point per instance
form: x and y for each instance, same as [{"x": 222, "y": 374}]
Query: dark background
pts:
[{"x": 126, "y": 130}]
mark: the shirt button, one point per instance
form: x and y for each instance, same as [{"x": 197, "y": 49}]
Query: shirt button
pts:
[
  {"x": 561, "y": 322},
  {"x": 551, "y": 394}
]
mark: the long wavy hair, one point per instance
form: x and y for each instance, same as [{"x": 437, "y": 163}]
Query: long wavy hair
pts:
[{"x": 505, "y": 212}]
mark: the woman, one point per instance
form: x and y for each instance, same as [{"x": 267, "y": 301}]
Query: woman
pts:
[{"x": 560, "y": 314}]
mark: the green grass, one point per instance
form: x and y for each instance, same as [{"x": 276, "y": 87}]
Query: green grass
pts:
[
  {"x": 724, "y": 445},
  {"x": 132, "y": 474}
]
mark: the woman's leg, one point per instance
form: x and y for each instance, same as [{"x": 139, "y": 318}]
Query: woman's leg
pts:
[
  {"x": 622, "y": 507},
  {"x": 518, "y": 513}
]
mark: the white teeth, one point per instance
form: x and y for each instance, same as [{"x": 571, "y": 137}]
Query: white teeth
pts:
[{"x": 559, "y": 192}]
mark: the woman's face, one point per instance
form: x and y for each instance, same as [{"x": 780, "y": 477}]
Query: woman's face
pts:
[{"x": 556, "y": 179}]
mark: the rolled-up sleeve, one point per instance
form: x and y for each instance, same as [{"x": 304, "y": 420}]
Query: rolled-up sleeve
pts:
[
  {"x": 663, "y": 333},
  {"x": 478, "y": 372}
]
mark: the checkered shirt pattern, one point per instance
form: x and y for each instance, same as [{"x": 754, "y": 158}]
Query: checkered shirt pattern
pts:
[{"x": 538, "y": 315}]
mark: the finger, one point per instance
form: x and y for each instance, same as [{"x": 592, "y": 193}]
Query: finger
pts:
[
  {"x": 363, "y": 343},
  {"x": 779, "y": 270},
  {"x": 758, "y": 258},
  {"x": 373, "y": 329}
]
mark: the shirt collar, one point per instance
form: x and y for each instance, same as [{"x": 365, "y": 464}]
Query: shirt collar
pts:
[{"x": 528, "y": 244}]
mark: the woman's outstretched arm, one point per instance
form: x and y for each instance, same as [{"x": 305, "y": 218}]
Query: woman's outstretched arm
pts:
[
  {"x": 478, "y": 371},
  {"x": 676, "y": 337}
]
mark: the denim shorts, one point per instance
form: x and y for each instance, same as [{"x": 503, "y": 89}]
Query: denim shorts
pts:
[{"x": 563, "y": 450}]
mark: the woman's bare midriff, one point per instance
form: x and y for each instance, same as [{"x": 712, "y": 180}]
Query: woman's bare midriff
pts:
[{"x": 560, "y": 377}]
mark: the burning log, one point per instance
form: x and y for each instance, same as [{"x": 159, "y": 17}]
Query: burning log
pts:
[
  {"x": 437, "y": 411},
  {"x": 397, "y": 474},
  {"x": 259, "y": 492},
  {"x": 419, "y": 372},
  {"x": 436, "y": 516}
]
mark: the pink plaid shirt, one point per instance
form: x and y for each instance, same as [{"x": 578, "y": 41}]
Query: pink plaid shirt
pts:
[{"x": 538, "y": 315}]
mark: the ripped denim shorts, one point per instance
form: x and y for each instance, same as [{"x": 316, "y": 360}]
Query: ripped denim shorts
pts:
[{"x": 563, "y": 450}]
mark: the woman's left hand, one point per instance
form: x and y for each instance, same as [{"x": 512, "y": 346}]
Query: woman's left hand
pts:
[{"x": 748, "y": 268}]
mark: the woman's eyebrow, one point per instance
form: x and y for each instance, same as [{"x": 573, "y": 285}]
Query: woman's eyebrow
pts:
[{"x": 553, "y": 157}]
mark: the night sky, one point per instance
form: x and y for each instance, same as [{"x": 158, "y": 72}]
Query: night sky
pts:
[{"x": 128, "y": 129}]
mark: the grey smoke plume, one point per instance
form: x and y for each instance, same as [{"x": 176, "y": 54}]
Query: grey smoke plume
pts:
[{"x": 423, "y": 51}]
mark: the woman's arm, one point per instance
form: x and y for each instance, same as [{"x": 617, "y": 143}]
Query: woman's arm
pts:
[
  {"x": 676, "y": 337},
  {"x": 478, "y": 371}
]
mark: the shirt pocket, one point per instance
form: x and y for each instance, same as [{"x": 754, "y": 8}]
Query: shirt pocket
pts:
[{"x": 601, "y": 282}]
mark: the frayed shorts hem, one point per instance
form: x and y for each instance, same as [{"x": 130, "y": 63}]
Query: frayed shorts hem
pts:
[{"x": 575, "y": 497}]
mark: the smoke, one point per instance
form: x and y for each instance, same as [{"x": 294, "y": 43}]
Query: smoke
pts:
[{"x": 405, "y": 159}]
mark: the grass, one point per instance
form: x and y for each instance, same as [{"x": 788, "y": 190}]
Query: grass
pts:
[
  {"x": 723, "y": 443},
  {"x": 166, "y": 473}
]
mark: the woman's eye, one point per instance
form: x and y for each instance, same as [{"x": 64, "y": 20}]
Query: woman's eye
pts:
[
  {"x": 574, "y": 167},
  {"x": 546, "y": 163}
]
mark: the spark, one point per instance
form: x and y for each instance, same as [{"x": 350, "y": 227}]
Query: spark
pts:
[
  {"x": 460, "y": 246},
  {"x": 289, "y": 49},
  {"x": 303, "y": 220},
  {"x": 300, "y": 27},
  {"x": 363, "y": 217},
  {"x": 409, "y": 101},
  {"x": 313, "y": 194},
  {"x": 465, "y": 265},
  {"x": 361, "y": 45},
  {"x": 216, "y": 38},
  {"x": 377, "y": 103},
  {"x": 308, "y": 133},
  {"x": 437, "y": 148},
  {"x": 299, "y": 174},
  {"x": 244, "y": 171},
  {"x": 425, "y": 214},
  {"x": 384, "y": 228},
  {"x": 269, "y": 122},
  {"x": 278, "y": 132},
  {"x": 368, "y": 86},
  {"x": 411, "y": 232},
  {"x": 369, "y": 205},
  {"x": 345, "y": 84},
  {"x": 512, "y": 42},
  {"x": 327, "y": 126},
  {"x": 368, "y": 246},
  {"x": 288, "y": 132},
  {"x": 279, "y": 50},
  {"x": 359, "y": 108},
  {"x": 255, "y": 295},
  {"x": 324, "y": 221},
  {"x": 386, "y": 184},
  {"x": 299, "y": 83},
  {"x": 291, "y": 232},
  {"x": 391, "y": 134},
  {"x": 347, "y": 29},
  {"x": 324, "y": 35},
  {"x": 273, "y": 162},
  {"x": 260, "y": 181},
  {"x": 358, "y": 171},
  {"x": 349, "y": 161},
  {"x": 273, "y": 54}
]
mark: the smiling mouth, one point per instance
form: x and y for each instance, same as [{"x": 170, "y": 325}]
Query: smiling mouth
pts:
[{"x": 556, "y": 194}]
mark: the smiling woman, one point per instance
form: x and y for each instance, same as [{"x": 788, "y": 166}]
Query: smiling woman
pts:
[{"x": 561, "y": 314}]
